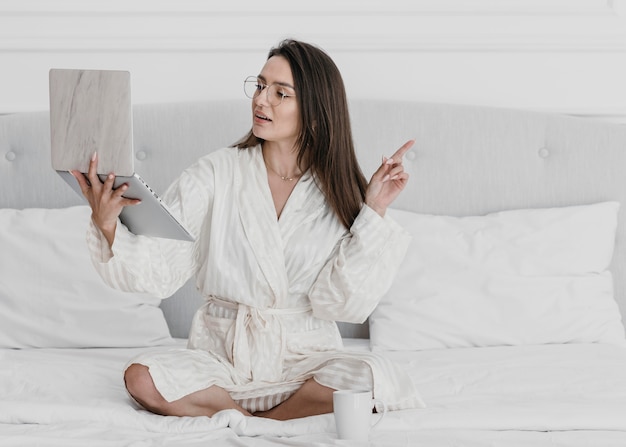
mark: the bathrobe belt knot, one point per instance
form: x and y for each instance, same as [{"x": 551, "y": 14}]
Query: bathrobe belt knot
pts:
[{"x": 258, "y": 332}]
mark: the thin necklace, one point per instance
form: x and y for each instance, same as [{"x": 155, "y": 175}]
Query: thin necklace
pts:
[{"x": 284, "y": 178}]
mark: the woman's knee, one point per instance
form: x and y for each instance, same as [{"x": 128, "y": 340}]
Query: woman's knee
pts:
[
  {"x": 314, "y": 391},
  {"x": 140, "y": 385}
]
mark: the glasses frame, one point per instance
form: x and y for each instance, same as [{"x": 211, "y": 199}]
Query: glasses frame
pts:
[{"x": 266, "y": 88}]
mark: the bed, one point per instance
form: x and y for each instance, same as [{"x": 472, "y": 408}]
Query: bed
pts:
[{"x": 506, "y": 313}]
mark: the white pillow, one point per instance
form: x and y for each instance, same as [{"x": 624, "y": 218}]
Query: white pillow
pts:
[
  {"x": 51, "y": 295},
  {"x": 516, "y": 277}
]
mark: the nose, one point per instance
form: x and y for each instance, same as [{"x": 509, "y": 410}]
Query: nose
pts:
[{"x": 261, "y": 98}]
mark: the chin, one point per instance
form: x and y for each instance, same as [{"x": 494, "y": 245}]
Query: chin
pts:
[{"x": 260, "y": 133}]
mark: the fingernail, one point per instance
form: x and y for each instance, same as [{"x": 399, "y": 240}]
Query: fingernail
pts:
[
  {"x": 395, "y": 177},
  {"x": 111, "y": 176},
  {"x": 384, "y": 159},
  {"x": 385, "y": 178},
  {"x": 389, "y": 161},
  {"x": 93, "y": 157}
]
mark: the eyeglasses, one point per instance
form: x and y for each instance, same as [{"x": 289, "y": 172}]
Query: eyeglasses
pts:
[{"x": 275, "y": 93}]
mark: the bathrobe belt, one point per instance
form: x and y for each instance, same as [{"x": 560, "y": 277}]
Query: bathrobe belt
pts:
[{"x": 258, "y": 339}]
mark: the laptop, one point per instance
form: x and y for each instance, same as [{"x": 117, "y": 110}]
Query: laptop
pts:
[{"x": 90, "y": 110}]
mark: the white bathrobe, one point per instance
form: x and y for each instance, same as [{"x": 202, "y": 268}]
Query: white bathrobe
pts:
[{"x": 273, "y": 287}]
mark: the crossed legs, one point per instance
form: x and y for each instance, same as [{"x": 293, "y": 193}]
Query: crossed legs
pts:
[
  {"x": 310, "y": 399},
  {"x": 201, "y": 403}
]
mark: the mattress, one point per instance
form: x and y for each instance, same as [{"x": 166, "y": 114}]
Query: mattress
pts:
[{"x": 552, "y": 395}]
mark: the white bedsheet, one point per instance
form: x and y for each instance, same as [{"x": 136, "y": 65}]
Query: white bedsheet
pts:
[{"x": 536, "y": 395}]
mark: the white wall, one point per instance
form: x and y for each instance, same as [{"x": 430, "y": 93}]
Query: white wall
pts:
[{"x": 558, "y": 55}]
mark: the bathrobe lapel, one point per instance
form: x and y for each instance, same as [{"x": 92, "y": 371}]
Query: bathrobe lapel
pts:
[
  {"x": 265, "y": 233},
  {"x": 258, "y": 218}
]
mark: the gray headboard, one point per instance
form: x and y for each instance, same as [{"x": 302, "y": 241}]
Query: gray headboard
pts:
[{"x": 466, "y": 161}]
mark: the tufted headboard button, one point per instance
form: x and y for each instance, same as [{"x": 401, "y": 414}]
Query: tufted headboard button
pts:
[
  {"x": 410, "y": 155},
  {"x": 544, "y": 152},
  {"x": 141, "y": 155},
  {"x": 10, "y": 156}
]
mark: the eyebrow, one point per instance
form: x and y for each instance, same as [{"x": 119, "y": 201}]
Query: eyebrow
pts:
[{"x": 284, "y": 84}]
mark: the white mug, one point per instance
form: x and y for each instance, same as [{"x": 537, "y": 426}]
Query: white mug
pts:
[{"x": 353, "y": 413}]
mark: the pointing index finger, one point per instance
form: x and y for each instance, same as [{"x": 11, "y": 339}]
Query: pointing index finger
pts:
[{"x": 397, "y": 156}]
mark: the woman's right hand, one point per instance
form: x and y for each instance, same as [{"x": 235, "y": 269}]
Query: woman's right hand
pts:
[{"x": 106, "y": 202}]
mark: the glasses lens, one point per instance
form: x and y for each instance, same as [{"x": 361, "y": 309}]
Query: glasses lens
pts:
[
  {"x": 251, "y": 87},
  {"x": 276, "y": 93}
]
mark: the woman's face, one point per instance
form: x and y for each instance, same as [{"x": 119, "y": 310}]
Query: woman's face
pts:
[{"x": 276, "y": 123}]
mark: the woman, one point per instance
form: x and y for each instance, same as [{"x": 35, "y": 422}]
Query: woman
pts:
[{"x": 290, "y": 239}]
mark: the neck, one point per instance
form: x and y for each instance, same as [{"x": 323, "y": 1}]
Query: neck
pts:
[{"x": 281, "y": 162}]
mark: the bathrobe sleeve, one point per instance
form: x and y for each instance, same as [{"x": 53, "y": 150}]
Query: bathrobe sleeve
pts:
[
  {"x": 155, "y": 265},
  {"x": 360, "y": 269}
]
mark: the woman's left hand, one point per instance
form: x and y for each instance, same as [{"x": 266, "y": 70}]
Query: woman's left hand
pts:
[{"x": 388, "y": 181}]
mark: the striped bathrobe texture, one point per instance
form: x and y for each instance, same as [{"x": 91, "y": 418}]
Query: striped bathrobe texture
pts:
[{"x": 273, "y": 287}]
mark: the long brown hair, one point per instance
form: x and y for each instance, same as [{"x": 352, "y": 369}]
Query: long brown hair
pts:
[{"x": 325, "y": 140}]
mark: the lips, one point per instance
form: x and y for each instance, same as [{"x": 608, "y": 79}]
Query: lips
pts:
[{"x": 261, "y": 116}]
